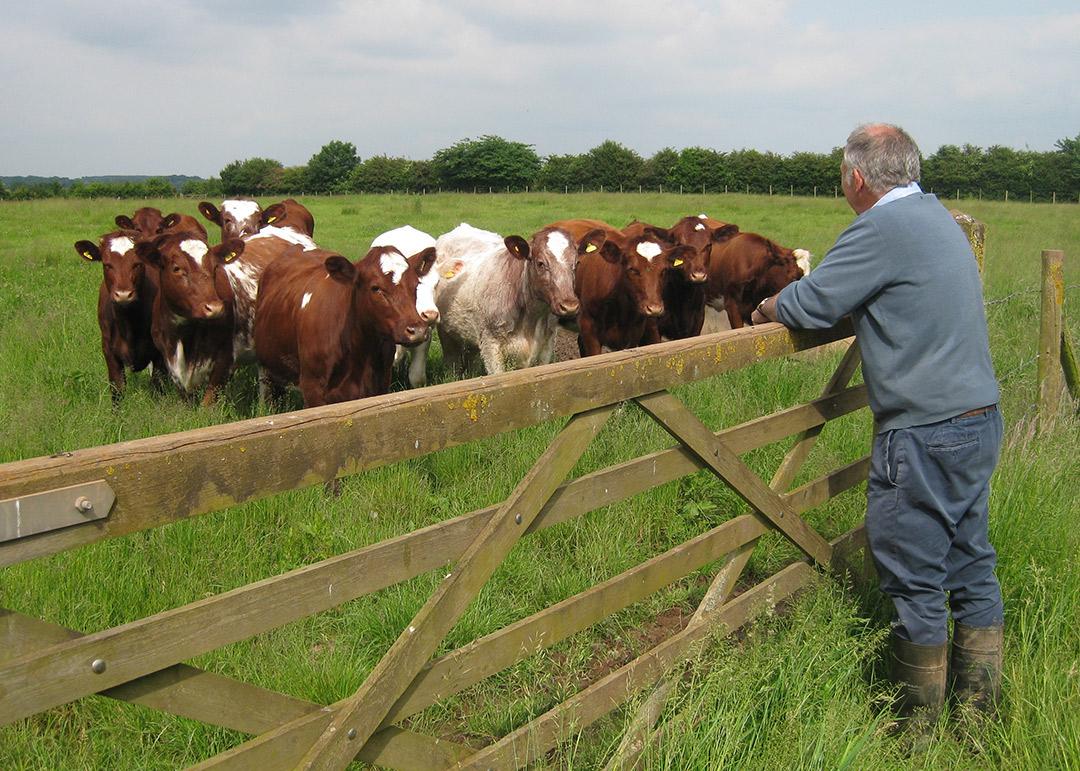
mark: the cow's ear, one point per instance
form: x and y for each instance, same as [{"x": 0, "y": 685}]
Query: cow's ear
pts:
[
  {"x": 660, "y": 234},
  {"x": 88, "y": 250},
  {"x": 421, "y": 262},
  {"x": 517, "y": 246},
  {"x": 210, "y": 211},
  {"x": 229, "y": 250},
  {"x": 611, "y": 252},
  {"x": 124, "y": 222},
  {"x": 724, "y": 232},
  {"x": 340, "y": 269},
  {"x": 169, "y": 221},
  {"x": 148, "y": 251},
  {"x": 271, "y": 214},
  {"x": 591, "y": 242},
  {"x": 679, "y": 254}
]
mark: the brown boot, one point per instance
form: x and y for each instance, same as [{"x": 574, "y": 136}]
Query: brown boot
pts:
[
  {"x": 920, "y": 671},
  {"x": 976, "y": 666}
]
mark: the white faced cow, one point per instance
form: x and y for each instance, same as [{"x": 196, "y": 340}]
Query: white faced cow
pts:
[
  {"x": 409, "y": 241},
  {"x": 503, "y": 297}
]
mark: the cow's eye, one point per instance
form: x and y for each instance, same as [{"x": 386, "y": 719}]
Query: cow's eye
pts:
[
  {"x": 634, "y": 272},
  {"x": 542, "y": 265}
]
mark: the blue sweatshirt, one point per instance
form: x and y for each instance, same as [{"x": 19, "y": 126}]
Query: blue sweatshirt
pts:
[{"x": 906, "y": 274}]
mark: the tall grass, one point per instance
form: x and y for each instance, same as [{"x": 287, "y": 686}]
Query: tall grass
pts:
[{"x": 803, "y": 688}]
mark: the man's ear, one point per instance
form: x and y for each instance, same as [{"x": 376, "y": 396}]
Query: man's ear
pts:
[
  {"x": 340, "y": 269},
  {"x": 88, "y": 250}
]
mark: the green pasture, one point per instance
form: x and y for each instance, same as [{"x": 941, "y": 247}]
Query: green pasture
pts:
[{"x": 803, "y": 688}]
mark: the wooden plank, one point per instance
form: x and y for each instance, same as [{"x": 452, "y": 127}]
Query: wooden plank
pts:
[
  {"x": 210, "y": 698},
  {"x": 147, "y": 645},
  {"x": 356, "y": 719},
  {"x": 818, "y": 491},
  {"x": 163, "y": 479},
  {"x": 682, "y": 424},
  {"x": 531, "y": 741}
]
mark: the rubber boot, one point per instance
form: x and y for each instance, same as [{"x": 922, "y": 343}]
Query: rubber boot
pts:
[
  {"x": 919, "y": 670},
  {"x": 976, "y": 666}
]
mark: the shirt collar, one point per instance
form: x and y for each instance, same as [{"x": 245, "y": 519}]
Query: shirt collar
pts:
[{"x": 898, "y": 192}]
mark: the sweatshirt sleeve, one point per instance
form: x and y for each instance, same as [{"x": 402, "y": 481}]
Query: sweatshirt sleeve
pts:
[{"x": 856, "y": 268}]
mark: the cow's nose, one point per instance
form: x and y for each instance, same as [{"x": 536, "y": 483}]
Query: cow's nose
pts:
[
  {"x": 568, "y": 308},
  {"x": 430, "y": 316},
  {"x": 123, "y": 297},
  {"x": 654, "y": 309},
  {"x": 698, "y": 277},
  {"x": 213, "y": 310}
]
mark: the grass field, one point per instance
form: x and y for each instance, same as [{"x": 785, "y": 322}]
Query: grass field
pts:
[{"x": 803, "y": 688}]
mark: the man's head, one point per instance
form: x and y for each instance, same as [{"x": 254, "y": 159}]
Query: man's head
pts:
[{"x": 877, "y": 158}]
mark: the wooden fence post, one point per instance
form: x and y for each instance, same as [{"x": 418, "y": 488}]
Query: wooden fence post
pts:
[
  {"x": 1050, "y": 331},
  {"x": 976, "y": 235}
]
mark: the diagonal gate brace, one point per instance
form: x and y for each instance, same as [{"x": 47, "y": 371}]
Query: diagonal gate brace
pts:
[{"x": 684, "y": 426}]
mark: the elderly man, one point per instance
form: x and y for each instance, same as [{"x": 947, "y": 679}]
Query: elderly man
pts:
[{"x": 906, "y": 274}]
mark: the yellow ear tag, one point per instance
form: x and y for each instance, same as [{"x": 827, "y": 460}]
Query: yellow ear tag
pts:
[
  {"x": 677, "y": 263},
  {"x": 230, "y": 256},
  {"x": 449, "y": 274},
  {"x": 88, "y": 256},
  {"x": 590, "y": 248},
  {"x": 270, "y": 219}
]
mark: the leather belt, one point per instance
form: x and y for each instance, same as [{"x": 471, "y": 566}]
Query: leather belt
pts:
[{"x": 979, "y": 411}]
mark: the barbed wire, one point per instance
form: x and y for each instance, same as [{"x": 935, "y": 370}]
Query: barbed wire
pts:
[
  {"x": 1018, "y": 369},
  {"x": 1021, "y": 293}
]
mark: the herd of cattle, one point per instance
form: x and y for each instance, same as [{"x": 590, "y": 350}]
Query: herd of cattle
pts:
[{"x": 334, "y": 328}]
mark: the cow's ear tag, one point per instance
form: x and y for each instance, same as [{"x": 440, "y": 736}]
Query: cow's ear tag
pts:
[
  {"x": 270, "y": 219},
  {"x": 453, "y": 270},
  {"x": 677, "y": 263},
  {"x": 230, "y": 256},
  {"x": 88, "y": 256},
  {"x": 590, "y": 248}
]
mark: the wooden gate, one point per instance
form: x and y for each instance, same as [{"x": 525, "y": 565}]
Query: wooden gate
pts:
[{"x": 51, "y": 504}]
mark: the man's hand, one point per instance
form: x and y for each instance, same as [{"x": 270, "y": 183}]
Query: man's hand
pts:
[{"x": 765, "y": 312}]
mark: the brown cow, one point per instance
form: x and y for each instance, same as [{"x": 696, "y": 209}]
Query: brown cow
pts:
[
  {"x": 620, "y": 287},
  {"x": 144, "y": 221},
  {"x": 330, "y": 326},
  {"x": 193, "y": 313},
  {"x": 289, "y": 214},
  {"x": 125, "y": 308},
  {"x": 181, "y": 223},
  {"x": 745, "y": 268}
]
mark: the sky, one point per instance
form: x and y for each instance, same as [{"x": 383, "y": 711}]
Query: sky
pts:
[{"x": 188, "y": 86}]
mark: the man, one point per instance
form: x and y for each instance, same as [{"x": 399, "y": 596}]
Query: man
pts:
[{"x": 905, "y": 273}]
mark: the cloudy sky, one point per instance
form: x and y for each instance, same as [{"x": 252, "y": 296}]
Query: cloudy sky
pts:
[{"x": 185, "y": 87}]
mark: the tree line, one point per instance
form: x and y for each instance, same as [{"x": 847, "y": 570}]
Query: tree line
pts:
[{"x": 497, "y": 164}]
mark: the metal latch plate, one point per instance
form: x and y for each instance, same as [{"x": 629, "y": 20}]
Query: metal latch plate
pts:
[{"x": 54, "y": 509}]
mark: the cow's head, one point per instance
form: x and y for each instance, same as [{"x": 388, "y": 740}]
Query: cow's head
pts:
[
  {"x": 782, "y": 269},
  {"x": 145, "y": 222},
  {"x": 190, "y": 281},
  {"x": 289, "y": 214},
  {"x": 551, "y": 260},
  {"x": 181, "y": 223},
  {"x": 643, "y": 261},
  {"x": 236, "y": 218},
  {"x": 695, "y": 232},
  {"x": 384, "y": 286},
  {"x": 121, "y": 262}
]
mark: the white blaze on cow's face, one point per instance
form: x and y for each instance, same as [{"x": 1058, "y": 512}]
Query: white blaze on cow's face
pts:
[
  {"x": 558, "y": 244},
  {"x": 425, "y": 296},
  {"x": 649, "y": 249},
  {"x": 393, "y": 265},
  {"x": 239, "y": 219},
  {"x": 121, "y": 244},
  {"x": 123, "y": 269},
  {"x": 197, "y": 250}
]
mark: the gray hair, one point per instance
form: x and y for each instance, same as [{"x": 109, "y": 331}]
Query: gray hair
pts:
[{"x": 884, "y": 154}]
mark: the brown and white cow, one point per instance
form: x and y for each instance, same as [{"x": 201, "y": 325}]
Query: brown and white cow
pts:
[
  {"x": 125, "y": 308},
  {"x": 237, "y": 218},
  {"x": 620, "y": 288},
  {"x": 290, "y": 214},
  {"x": 501, "y": 297},
  {"x": 330, "y": 326},
  {"x": 181, "y": 223},
  {"x": 192, "y": 322},
  {"x": 409, "y": 241}
]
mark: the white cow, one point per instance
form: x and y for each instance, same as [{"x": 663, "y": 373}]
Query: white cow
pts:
[
  {"x": 408, "y": 240},
  {"x": 503, "y": 297}
]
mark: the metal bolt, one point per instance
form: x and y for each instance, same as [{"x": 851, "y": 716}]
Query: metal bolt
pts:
[
  {"x": 84, "y": 504},
  {"x": 351, "y": 734},
  {"x": 98, "y": 666},
  {"x": 517, "y": 518}
]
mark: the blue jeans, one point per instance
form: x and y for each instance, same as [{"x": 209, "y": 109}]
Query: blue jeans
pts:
[{"x": 926, "y": 524}]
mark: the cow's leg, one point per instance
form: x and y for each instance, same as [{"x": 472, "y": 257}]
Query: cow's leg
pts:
[
  {"x": 452, "y": 353},
  {"x": 158, "y": 377},
  {"x": 117, "y": 377},
  {"x": 491, "y": 352},
  {"x": 313, "y": 389},
  {"x": 588, "y": 341},
  {"x": 651, "y": 333},
  {"x": 734, "y": 316},
  {"x": 418, "y": 364}
]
